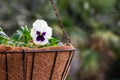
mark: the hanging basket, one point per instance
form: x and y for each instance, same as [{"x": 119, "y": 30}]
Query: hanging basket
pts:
[{"x": 49, "y": 63}]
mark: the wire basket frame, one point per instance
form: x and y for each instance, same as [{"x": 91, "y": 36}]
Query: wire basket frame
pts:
[{"x": 23, "y": 64}]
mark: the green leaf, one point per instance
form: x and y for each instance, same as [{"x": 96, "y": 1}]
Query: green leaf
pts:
[
  {"x": 17, "y": 36},
  {"x": 22, "y": 35},
  {"x": 3, "y": 37},
  {"x": 54, "y": 41}
]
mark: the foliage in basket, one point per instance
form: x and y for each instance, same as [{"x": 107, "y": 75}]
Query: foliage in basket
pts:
[{"x": 40, "y": 35}]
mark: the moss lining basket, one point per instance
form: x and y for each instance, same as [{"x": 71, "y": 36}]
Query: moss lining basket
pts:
[{"x": 49, "y": 63}]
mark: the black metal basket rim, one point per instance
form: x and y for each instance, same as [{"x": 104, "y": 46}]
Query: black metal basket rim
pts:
[{"x": 39, "y": 51}]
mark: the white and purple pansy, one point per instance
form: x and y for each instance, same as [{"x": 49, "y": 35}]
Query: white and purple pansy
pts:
[{"x": 41, "y": 32}]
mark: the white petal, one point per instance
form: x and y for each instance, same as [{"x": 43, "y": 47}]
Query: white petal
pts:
[
  {"x": 33, "y": 33},
  {"x": 39, "y": 25},
  {"x": 48, "y": 31},
  {"x": 39, "y": 42}
]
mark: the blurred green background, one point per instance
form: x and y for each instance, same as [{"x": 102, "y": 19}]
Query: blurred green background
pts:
[{"x": 93, "y": 26}]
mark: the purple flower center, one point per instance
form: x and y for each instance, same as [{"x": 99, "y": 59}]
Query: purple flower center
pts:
[{"x": 40, "y": 36}]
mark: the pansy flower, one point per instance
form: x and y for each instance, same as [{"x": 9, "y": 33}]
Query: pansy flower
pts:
[{"x": 41, "y": 32}]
